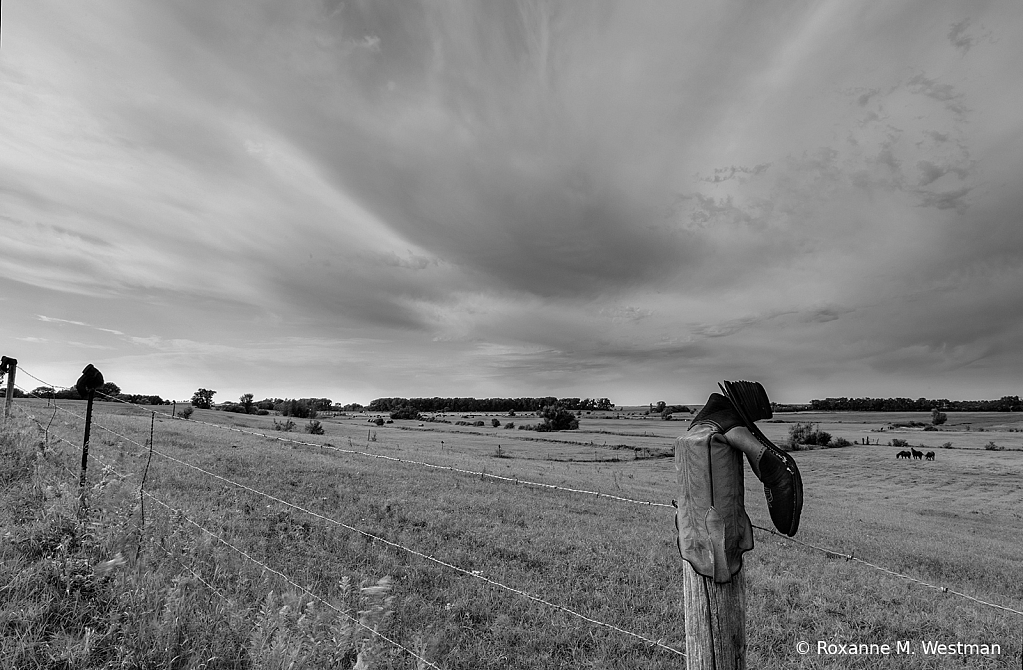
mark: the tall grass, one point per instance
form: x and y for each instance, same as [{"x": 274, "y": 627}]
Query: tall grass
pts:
[
  {"x": 92, "y": 590},
  {"x": 953, "y": 522}
]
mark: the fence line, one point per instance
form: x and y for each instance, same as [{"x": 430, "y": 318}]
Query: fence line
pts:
[
  {"x": 264, "y": 566},
  {"x": 470, "y": 573},
  {"x": 848, "y": 557}
]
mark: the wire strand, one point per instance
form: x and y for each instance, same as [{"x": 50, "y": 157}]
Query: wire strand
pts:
[{"x": 848, "y": 557}]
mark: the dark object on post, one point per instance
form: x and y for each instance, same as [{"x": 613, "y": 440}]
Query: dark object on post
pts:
[
  {"x": 713, "y": 528},
  {"x": 90, "y": 380},
  {"x": 783, "y": 485}
]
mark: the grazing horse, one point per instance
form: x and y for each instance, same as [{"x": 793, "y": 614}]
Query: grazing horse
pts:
[
  {"x": 918, "y": 455},
  {"x": 930, "y": 455},
  {"x": 903, "y": 454}
]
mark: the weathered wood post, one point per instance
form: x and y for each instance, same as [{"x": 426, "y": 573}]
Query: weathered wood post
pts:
[
  {"x": 8, "y": 366},
  {"x": 714, "y": 532},
  {"x": 713, "y": 529}
]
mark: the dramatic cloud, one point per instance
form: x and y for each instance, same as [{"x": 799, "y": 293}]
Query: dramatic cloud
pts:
[{"x": 514, "y": 198}]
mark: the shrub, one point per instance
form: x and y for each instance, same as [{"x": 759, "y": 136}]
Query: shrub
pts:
[
  {"x": 379, "y": 421},
  {"x": 937, "y": 417},
  {"x": 314, "y": 427},
  {"x": 947, "y": 445},
  {"x": 186, "y": 412},
  {"x": 991, "y": 446},
  {"x": 841, "y": 442},
  {"x": 509, "y": 425},
  {"x": 804, "y": 434},
  {"x": 896, "y": 442},
  {"x": 287, "y": 426},
  {"x": 496, "y": 423},
  {"x": 478, "y": 424},
  {"x": 556, "y": 417},
  {"x": 262, "y": 412}
]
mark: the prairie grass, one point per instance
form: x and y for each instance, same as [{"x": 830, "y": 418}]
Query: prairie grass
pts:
[{"x": 954, "y": 522}]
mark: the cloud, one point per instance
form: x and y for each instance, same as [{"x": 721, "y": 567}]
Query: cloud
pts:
[{"x": 525, "y": 192}]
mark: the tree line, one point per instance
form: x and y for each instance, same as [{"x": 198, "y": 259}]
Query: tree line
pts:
[
  {"x": 107, "y": 392},
  {"x": 1009, "y": 403},
  {"x": 437, "y": 404}
]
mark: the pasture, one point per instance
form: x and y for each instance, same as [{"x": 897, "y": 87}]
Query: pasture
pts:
[{"x": 956, "y": 522}]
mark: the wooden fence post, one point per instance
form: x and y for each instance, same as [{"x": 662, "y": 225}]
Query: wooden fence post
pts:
[
  {"x": 715, "y": 617},
  {"x": 10, "y": 366},
  {"x": 714, "y": 532}
]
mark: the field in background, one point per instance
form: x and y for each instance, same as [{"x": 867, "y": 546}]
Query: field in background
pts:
[{"x": 955, "y": 522}]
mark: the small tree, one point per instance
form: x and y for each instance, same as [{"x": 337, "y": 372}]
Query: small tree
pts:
[
  {"x": 246, "y": 402},
  {"x": 556, "y": 417},
  {"x": 44, "y": 392},
  {"x": 107, "y": 390},
  {"x": 203, "y": 398},
  {"x": 496, "y": 423},
  {"x": 938, "y": 417}
]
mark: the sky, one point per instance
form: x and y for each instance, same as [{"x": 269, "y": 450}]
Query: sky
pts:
[{"x": 632, "y": 200}]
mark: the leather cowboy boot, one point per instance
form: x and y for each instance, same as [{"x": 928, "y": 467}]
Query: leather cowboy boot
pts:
[
  {"x": 735, "y": 416},
  {"x": 90, "y": 380}
]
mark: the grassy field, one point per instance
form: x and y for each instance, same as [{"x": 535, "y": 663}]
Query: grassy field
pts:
[{"x": 76, "y": 596}]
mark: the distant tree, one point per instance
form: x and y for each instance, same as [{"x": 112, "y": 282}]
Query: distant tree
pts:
[
  {"x": 108, "y": 391},
  {"x": 246, "y": 402},
  {"x": 203, "y": 398},
  {"x": 496, "y": 423},
  {"x": 938, "y": 417},
  {"x": 557, "y": 417},
  {"x": 405, "y": 412},
  {"x": 43, "y": 392},
  {"x": 661, "y": 405}
]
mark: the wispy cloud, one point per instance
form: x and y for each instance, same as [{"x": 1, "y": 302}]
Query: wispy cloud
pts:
[{"x": 483, "y": 195}]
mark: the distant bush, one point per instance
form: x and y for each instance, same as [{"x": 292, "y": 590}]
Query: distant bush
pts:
[
  {"x": 509, "y": 425},
  {"x": 896, "y": 442},
  {"x": 379, "y": 421},
  {"x": 557, "y": 417},
  {"x": 938, "y": 417},
  {"x": 314, "y": 427},
  {"x": 947, "y": 445},
  {"x": 262, "y": 412},
  {"x": 286, "y": 426},
  {"x": 802, "y": 434},
  {"x": 841, "y": 442},
  {"x": 496, "y": 423},
  {"x": 186, "y": 412},
  {"x": 991, "y": 446}
]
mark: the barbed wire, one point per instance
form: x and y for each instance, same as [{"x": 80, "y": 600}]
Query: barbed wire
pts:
[
  {"x": 471, "y": 573},
  {"x": 181, "y": 514},
  {"x": 848, "y": 557}
]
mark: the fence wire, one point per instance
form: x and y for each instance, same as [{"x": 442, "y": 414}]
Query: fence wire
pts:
[{"x": 831, "y": 552}]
